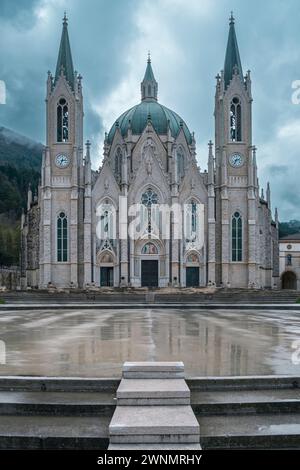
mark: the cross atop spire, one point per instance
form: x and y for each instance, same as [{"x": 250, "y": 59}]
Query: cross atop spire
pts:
[
  {"x": 149, "y": 85},
  {"x": 64, "y": 61},
  {"x": 232, "y": 58}
]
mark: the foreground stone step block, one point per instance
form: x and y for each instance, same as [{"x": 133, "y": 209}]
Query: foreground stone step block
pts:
[
  {"x": 154, "y": 424},
  {"x": 153, "y": 370},
  {"x": 154, "y": 447},
  {"x": 139, "y": 392}
]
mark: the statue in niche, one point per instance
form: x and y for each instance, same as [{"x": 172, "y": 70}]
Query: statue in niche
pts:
[{"x": 147, "y": 155}]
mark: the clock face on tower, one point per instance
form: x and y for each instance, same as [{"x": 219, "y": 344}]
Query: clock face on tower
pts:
[
  {"x": 236, "y": 160},
  {"x": 62, "y": 161}
]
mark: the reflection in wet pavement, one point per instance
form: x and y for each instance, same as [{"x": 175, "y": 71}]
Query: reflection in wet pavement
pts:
[{"x": 95, "y": 343}]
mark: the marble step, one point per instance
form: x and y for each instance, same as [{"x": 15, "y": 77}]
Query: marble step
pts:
[
  {"x": 139, "y": 392},
  {"x": 263, "y": 431},
  {"x": 153, "y": 370},
  {"x": 57, "y": 403},
  {"x": 154, "y": 424},
  {"x": 193, "y": 446},
  {"x": 54, "y": 432}
]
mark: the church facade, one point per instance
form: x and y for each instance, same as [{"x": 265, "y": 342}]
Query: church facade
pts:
[{"x": 149, "y": 217}]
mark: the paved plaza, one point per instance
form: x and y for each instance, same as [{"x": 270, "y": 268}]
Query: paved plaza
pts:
[{"x": 95, "y": 343}]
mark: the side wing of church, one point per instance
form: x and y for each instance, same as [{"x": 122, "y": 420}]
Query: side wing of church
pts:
[{"x": 194, "y": 228}]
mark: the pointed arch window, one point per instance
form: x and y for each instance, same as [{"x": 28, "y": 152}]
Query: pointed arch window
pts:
[
  {"x": 235, "y": 120},
  {"x": 62, "y": 237},
  {"x": 151, "y": 212},
  {"x": 194, "y": 216},
  {"x": 62, "y": 121},
  {"x": 107, "y": 222},
  {"x": 118, "y": 164},
  {"x": 237, "y": 237},
  {"x": 180, "y": 163}
]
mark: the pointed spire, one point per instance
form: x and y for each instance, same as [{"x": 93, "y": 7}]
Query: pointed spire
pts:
[
  {"x": 149, "y": 85},
  {"x": 232, "y": 58},
  {"x": 276, "y": 216},
  {"x": 64, "y": 62},
  {"x": 88, "y": 155},
  {"x": 210, "y": 165},
  {"x": 29, "y": 197},
  {"x": 254, "y": 156}
]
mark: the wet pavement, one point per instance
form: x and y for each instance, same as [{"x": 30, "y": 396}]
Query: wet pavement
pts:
[{"x": 95, "y": 343}]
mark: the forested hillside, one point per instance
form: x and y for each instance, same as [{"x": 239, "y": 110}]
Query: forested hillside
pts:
[{"x": 20, "y": 161}]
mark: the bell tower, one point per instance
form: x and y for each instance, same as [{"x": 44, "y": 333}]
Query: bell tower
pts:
[
  {"x": 236, "y": 181},
  {"x": 62, "y": 175}
]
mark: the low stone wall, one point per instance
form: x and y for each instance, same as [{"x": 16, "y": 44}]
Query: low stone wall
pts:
[{"x": 9, "y": 279}]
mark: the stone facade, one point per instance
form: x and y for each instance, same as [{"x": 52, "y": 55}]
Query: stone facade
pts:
[
  {"x": 9, "y": 278},
  {"x": 220, "y": 231}
]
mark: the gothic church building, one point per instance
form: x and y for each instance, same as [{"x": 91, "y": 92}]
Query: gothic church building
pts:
[{"x": 149, "y": 159}]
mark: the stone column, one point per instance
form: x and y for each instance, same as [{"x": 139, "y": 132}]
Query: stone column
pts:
[
  {"x": 225, "y": 220},
  {"x": 47, "y": 238},
  {"x": 252, "y": 216},
  {"x": 87, "y": 223},
  {"x": 211, "y": 236},
  {"x": 73, "y": 237},
  {"x": 175, "y": 224}
]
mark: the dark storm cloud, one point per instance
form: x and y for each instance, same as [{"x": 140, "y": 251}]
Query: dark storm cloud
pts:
[
  {"x": 98, "y": 36},
  {"x": 11, "y": 8}
]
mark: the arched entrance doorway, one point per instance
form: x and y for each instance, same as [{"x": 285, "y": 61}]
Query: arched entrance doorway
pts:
[
  {"x": 106, "y": 270},
  {"x": 289, "y": 280}
]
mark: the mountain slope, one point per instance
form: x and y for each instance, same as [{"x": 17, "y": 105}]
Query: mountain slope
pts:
[
  {"x": 20, "y": 163},
  {"x": 19, "y": 151}
]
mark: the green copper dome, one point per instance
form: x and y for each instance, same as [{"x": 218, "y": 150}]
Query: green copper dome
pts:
[
  {"x": 137, "y": 117},
  {"x": 160, "y": 116}
]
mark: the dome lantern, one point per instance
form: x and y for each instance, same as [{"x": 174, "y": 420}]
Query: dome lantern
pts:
[{"x": 149, "y": 85}]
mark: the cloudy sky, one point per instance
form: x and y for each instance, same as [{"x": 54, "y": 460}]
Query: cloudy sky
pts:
[{"x": 187, "y": 39}]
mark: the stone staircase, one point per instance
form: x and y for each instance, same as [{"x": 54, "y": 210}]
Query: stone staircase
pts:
[
  {"x": 158, "y": 296},
  {"x": 233, "y": 412},
  {"x": 153, "y": 409}
]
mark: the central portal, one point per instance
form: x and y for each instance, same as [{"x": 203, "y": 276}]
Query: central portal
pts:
[
  {"x": 149, "y": 273},
  {"x": 106, "y": 276},
  {"x": 192, "y": 277}
]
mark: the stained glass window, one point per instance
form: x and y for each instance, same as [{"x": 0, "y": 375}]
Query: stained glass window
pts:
[
  {"x": 150, "y": 198},
  {"x": 237, "y": 237},
  {"x": 118, "y": 164},
  {"x": 180, "y": 163}
]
